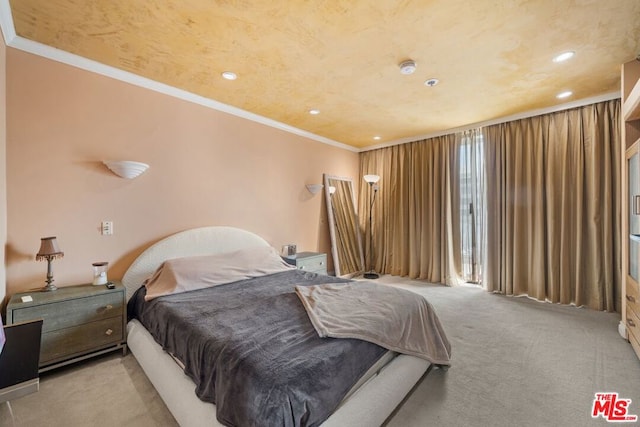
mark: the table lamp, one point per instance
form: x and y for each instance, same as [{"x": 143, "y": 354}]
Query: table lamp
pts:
[{"x": 49, "y": 251}]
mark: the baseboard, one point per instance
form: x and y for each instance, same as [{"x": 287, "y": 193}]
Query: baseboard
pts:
[{"x": 622, "y": 330}]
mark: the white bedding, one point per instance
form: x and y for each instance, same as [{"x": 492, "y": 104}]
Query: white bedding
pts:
[{"x": 196, "y": 272}]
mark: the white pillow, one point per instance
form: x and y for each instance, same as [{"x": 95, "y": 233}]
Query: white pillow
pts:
[{"x": 187, "y": 274}]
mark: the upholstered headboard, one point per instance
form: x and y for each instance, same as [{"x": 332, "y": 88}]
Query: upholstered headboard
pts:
[{"x": 194, "y": 242}]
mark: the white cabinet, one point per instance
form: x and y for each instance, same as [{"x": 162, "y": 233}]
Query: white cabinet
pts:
[
  {"x": 633, "y": 210},
  {"x": 630, "y": 126}
]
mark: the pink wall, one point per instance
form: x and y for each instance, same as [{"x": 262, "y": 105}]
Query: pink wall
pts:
[
  {"x": 3, "y": 163},
  {"x": 207, "y": 168}
]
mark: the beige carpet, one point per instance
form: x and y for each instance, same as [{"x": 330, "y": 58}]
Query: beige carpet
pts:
[
  {"x": 516, "y": 362},
  {"x": 110, "y": 390},
  {"x": 519, "y": 362}
]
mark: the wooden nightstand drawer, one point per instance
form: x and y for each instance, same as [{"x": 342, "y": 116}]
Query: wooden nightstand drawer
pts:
[
  {"x": 79, "y": 321},
  {"x": 633, "y": 326},
  {"x": 76, "y": 311},
  {"x": 313, "y": 262},
  {"x": 62, "y": 343}
]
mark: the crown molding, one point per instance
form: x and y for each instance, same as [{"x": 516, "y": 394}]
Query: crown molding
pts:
[
  {"x": 20, "y": 43},
  {"x": 6, "y": 22}
]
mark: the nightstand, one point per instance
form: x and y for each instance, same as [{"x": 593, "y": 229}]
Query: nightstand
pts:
[
  {"x": 79, "y": 321},
  {"x": 313, "y": 262}
]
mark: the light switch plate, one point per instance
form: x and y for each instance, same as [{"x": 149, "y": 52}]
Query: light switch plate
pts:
[{"x": 107, "y": 228}]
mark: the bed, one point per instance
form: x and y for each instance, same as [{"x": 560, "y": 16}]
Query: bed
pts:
[{"x": 368, "y": 402}]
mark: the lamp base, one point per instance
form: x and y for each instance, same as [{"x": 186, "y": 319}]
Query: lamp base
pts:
[
  {"x": 371, "y": 275},
  {"x": 49, "y": 287}
]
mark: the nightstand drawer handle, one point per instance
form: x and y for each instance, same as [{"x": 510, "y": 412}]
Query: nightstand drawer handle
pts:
[
  {"x": 630, "y": 298},
  {"x": 321, "y": 262},
  {"x": 105, "y": 308},
  {"x": 108, "y": 332},
  {"x": 301, "y": 267},
  {"x": 631, "y": 323}
]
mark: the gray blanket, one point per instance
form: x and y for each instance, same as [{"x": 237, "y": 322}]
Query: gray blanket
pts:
[
  {"x": 393, "y": 318},
  {"x": 250, "y": 348}
]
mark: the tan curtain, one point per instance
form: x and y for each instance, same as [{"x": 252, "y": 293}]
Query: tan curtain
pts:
[
  {"x": 415, "y": 215},
  {"x": 552, "y": 191}
]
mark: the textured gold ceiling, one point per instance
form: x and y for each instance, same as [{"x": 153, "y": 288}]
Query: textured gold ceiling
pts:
[{"x": 493, "y": 58}]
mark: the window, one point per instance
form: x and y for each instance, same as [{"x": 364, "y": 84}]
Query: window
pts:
[{"x": 471, "y": 178}]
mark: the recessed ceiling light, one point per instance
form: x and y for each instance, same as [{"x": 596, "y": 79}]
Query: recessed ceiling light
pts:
[
  {"x": 377, "y": 138},
  {"x": 314, "y": 112},
  {"x": 229, "y": 75},
  {"x": 564, "y": 94},
  {"x": 431, "y": 82},
  {"x": 408, "y": 66},
  {"x": 564, "y": 56}
]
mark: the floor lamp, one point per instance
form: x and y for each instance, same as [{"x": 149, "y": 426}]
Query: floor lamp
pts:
[{"x": 372, "y": 181}]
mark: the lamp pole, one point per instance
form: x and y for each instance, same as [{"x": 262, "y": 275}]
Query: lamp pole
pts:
[{"x": 371, "y": 180}]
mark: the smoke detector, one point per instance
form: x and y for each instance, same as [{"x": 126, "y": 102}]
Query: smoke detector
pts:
[{"x": 408, "y": 66}]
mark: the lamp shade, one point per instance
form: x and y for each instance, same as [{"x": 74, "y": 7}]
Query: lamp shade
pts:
[
  {"x": 49, "y": 249},
  {"x": 371, "y": 179}
]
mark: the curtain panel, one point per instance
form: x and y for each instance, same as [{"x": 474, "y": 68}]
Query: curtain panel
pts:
[
  {"x": 415, "y": 216},
  {"x": 552, "y": 199}
]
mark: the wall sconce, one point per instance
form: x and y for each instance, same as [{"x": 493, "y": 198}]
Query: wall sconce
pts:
[
  {"x": 126, "y": 168},
  {"x": 314, "y": 188},
  {"x": 49, "y": 250}
]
